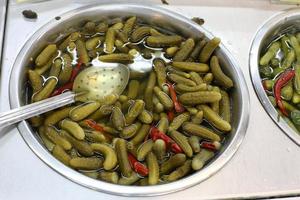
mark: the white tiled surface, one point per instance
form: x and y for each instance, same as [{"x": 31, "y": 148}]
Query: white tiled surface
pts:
[{"x": 267, "y": 162}]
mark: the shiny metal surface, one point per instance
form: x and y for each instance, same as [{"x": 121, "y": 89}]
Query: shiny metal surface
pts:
[
  {"x": 287, "y": 21},
  {"x": 25, "y": 112},
  {"x": 151, "y": 14},
  {"x": 111, "y": 79}
]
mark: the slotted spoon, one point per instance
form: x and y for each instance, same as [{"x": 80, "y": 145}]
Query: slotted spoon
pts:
[{"x": 92, "y": 84}]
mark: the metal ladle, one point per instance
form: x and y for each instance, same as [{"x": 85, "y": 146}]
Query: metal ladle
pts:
[{"x": 92, "y": 84}]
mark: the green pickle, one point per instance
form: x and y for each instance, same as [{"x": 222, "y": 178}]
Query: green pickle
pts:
[
  {"x": 139, "y": 33},
  {"x": 197, "y": 118},
  {"x": 86, "y": 163},
  {"x": 219, "y": 76},
  {"x": 109, "y": 154},
  {"x": 122, "y": 156},
  {"x": 96, "y": 136},
  {"x": 271, "y": 52},
  {"x": 46, "y": 91},
  {"x": 285, "y": 45},
  {"x": 55, "y": 68},
  {"x": 129, "y": 25},
  {"x": 35, "y": 80},
  {"x": 144, "y": 149},
  {"x": 159, "y": 148},
  {"x": 117, "y": 57},
  {"x": 149, "y": 91},
  {"x": 178, "y": 121},
  {"x": 179, "y": 79},
  {"x": 215, "y": 119},
  {"x": 82, "y": 147},
  {"x": 121, "y": 46},
  {"x": 82, "y": 111},
  {"x": 164, "y": 98},
  {"x": 163, "y": 41},
  {"x": 208, "y": 78},
  {"x": 118, "y": 119},
  {"x": 225, "y": 106},
  {"x": 194, "y": 141},
  {"x": 66, "y": 71},
  {"x": 160, "y": 70},
  {"x": 173, "y": 162},
  {"x": 287, "y": 91},
  {"x": 201, "y": 131},
  {"x": 131, "y": 130},
  {"x": 110, "y": 40},
  {"x": 36, "y": 121},
  {"x": 133, "y": 88},
  {"x": 59, "y": 153},
  {"x": 101, "y": 27},
  {"x": 196, "y": 77},
  {"x": 111, "y": 177},
  {"x": 92, "y": 43},
  {"x": 171, "y": 51},
  {"x": 73, "y": 128},
  {"x": 182, "y": 88},
  {"x": 275, "y": 62},
  {"x": 141, "y": 134},
  {"x": 201, "y": 158},
  {"x": 134, "y": 111},
  {"x": 194, "y": 98},
  {"x": 182, "y": 141},
  {"x": 89, "y": 27},
  {"x": 208, "y": 49},
  {"x": 289, "y": 59},
  {"x": 71, "y": 38},
  {"x": 82, "y": 52},
  {"x": 191, "y": 66},
  {"x": 153, "y": 166},
  {"x": 185, "y": 50},
  {"x": 179, "y": 172},
  {"x": 145, "y": 117},
  {"x": 49, "y": 144},
  {"x": 196, "y": 51},
  {"x": 45, "y": 55},
  {"x": 54, "y": 137},
  {"x": 134, "y": 177}
]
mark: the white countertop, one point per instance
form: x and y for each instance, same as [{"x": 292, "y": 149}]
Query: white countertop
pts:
[{"x": 266, "y": 164}]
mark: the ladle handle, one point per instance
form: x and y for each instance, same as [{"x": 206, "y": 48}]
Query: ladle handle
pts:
[{"x": 34, "y": 109}]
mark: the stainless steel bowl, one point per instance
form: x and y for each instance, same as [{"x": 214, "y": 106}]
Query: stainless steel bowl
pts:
[
  {"x": 153, "y": 15},
  {"x": 287, "y": 21}
]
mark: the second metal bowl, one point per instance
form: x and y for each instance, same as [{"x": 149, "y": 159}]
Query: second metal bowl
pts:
[{"x": 285, "y": 22}]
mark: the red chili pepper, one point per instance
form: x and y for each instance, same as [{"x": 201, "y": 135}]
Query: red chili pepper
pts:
[
  {"x": 175, "y": 148},
  {"x": 75, "y": 71},
  {"x": 91, "y": 123},
  {"x": 178, "y": 107},
  {"x": 137, "y": 166},
  {"x": 171, "y": 115},
  {"x": 279, "y": 84},
  {"x": 213, "y": 146},
  {"x": 67, "y": 86},
  {"x": 155, "y": 134}
]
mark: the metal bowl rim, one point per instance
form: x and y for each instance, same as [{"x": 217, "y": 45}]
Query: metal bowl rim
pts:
[
  {"x": 268, "y": 25},
  {"x": 76, "y": 177}
]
